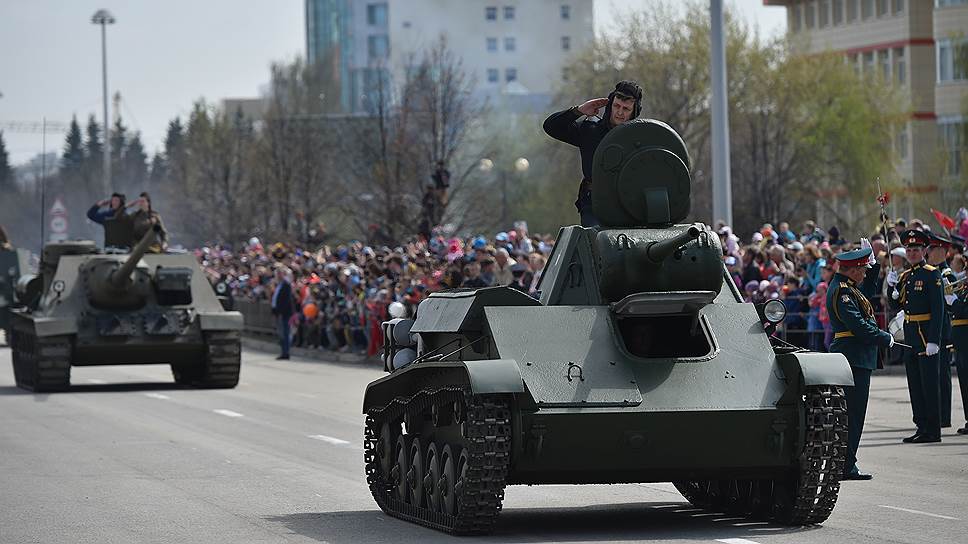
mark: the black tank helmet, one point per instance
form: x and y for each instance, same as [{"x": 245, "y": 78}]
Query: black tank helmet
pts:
[{"x": 625, "y": 89}]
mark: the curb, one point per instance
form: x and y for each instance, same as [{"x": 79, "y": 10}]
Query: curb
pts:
[{"x": 322, "y": 355}]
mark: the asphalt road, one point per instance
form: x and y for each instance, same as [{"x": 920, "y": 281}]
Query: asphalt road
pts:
[{"x": 125, "y": 456}]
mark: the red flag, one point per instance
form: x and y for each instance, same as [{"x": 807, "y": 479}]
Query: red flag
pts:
[
  {"x": 945, "y": 221},
  {"x": 884, "y": 199}
]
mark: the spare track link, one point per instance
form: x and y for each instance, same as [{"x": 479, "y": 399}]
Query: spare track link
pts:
[
  {"x": 40, "y": 364},
  {"x": 819, "y": 469},
  {"x": 222, "y": 359},
  {"x": 487, "y": 438}
]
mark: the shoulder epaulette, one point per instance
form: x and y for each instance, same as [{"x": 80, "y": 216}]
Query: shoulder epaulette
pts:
[{"x": 930, "y": 267}]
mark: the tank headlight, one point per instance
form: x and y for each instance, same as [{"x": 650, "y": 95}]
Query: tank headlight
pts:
[
  {"x": 58, "y": 286},
  {"x": 221, "y": 288},
  {"x": 774, "y": 311}
]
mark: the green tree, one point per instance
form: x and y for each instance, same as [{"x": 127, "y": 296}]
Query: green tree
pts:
[
  {"x": 7, "y": 186},
  {"x": 118, "y": 140},
  {"x": 134, "y": 165},
  {"x": 93, "y": 168}
]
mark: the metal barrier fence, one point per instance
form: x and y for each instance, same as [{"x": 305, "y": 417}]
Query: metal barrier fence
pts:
[{"x": 257, "y": 316}]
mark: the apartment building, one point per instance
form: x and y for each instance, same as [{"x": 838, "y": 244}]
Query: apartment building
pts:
[
  {"x": 914, "y": 44},
  {"x": 516, "y": 51}
]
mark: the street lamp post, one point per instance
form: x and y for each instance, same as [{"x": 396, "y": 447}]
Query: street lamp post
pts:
[
  {"x": 103, "y": 17},
  {"x": 521, "y": 165},
  {"x": 722, "y": 187}
]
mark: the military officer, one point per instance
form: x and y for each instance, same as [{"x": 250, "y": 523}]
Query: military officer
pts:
[
  {"x": 959, "y": 337},
  {"x": 858, "y": 338},
  {"x": 918, "y": 293},
  {"x": 938, "y": 257}
]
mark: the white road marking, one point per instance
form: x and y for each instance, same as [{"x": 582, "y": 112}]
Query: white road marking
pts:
[
  {"x": 227, "y": 413},
  {"x": 96, "y": 380},
  {"x": 329, "y": 439},
  {"x": 158, "y": 396},
  {"x": 306, "y": 395},
  {"x": 735, "y": 541},
  {"x": 918, "y": 512}
]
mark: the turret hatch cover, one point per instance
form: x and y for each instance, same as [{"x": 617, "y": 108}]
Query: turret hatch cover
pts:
[{"x": 566, "y": 354}]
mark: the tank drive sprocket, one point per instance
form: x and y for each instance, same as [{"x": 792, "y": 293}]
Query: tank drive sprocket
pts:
[
  {"x": 810, "y": 496},
  {"x": 39, "y": 364},
  {"x": 440, "y": 458}
]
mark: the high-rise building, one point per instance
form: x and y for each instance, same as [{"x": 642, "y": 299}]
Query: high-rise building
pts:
[
  {"x": 516, "y": 51},
  {"x": 912, "y": 43}
]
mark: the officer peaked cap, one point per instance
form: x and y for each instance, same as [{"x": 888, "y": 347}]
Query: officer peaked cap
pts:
[
  {"x": 939, "y": 241},
  {"x": 857, "y": 257},
  {"x": 914, "y": 237}
]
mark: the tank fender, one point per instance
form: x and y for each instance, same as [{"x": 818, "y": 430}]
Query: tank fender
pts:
[
  {"x": 54, "y": 326},
  {"x": 817, "y": 368},
  {"x": 484, "y": 377},
  {"x": 220, "y": 321}
]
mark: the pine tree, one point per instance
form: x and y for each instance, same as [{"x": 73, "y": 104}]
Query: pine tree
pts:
[
  {"x": 158, "y": 172},
  {"x": 73, "y": 157},
  {"x": 6, "y": 173},
  {"x": 174, "y": 155},
  {"x": 134, "y": 165},
  {"x": 92, "y": 170},
  {"x": 119, "y": 143}
]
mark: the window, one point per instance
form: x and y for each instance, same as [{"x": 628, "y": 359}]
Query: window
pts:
[
  {"x": 376, "y": 14},
  {"x": 885, "y": 57},
  {"x": 808, "y": 11},
  {"x": 510, "y": 44},
  {"x": 946, "y": 3},
  {"x": 378, "y": 46},
  {"x": 510, "y": 74},
  {"x": 493, "y": 75},
  {"x": 952, "y": 135},
  {"x": 902, "y": 142},
  {"x": 824, "y": 13},
  {"x": 851, "y": 11},
  {"x": 490, "y": 13},
  {"x": 565, "y": 11},
  {"x": 866, "y": 9},
  {"x": 898, "y": 7},
  {"x": 869, "y": 62},
  {"x": 508, "y": 13},
  {"x": 566, "y": 43},
  {"x": 796, "y": 18},
  {"x": 900, "y": 68},
  {"x": 951, "y": 67},
  {"x": 838, "y": 11},
  {"x": 883, "y": 7},
  {"x": 492, "y": 44}
]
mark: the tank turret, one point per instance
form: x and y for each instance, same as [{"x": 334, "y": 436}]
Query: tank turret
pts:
[{"x": 114, "y": 284}]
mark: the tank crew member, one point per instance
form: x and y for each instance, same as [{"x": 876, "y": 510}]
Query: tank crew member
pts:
[
  {"x": 143, "y": 220},
  {"x": 117, "y": 225},
  {"x": 5, "y": 244},
  {"x": 919, "y": 294},
  {"x": 938, "y": 257},
  {"x": 621, "y": 106},
  {"x": 858, "y": 338}
]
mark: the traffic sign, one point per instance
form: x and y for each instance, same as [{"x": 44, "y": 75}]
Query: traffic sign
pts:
[{"x": 58, "y": 208}]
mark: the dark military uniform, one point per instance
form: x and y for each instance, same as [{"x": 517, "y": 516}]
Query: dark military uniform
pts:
[
  {"x": 858, "y": 338},
  {"x": 944, "y": 356},
  {"x": 921, "y": 296}
]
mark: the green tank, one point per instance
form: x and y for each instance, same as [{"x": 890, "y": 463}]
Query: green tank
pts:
[
  {"x": 639, "y": 363},
  {"x": 89, "y": 307},
  {"x": 13, "y": 263}
]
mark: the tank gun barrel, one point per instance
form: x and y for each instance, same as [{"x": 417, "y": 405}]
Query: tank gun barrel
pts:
[
  {"x": 660, "y": 251},
  {"x": 121, "y": 276}
]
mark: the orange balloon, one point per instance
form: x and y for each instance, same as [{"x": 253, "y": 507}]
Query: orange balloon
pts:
[{"x": 310, "y": 310}]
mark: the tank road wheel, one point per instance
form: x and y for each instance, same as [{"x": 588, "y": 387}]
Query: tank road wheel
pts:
[
  {"x": 432, "y": 496},
  {"x": 448, "y": 477},
  {"x": 398, "y": 474},
  {"x": 416, "y": 473},
  {"x": 386, "y": 447},
  {"x": 40, "y": 364},
  {"x": 450, "y": 474},
  {"x": 809, "y": 496}
]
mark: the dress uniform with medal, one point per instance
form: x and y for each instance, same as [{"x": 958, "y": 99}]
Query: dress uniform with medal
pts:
[
  {"x": 919, "y": 294},
  {"x": 938, "y": 257},
  {"x": 959, "y": 336},
  {"x": 857, "y": 337}
]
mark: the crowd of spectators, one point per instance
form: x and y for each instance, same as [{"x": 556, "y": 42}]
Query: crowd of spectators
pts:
[
  {"x": 797, "y": 267},
  {"x": 344, "y": 292}
]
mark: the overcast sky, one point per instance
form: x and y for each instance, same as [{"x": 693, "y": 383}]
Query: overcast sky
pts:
[{"x": 163, "y": 55}]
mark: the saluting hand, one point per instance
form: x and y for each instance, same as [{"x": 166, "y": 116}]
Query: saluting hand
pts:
[{"x": 592, "y": 106}]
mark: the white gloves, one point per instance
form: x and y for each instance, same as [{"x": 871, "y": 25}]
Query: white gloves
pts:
[
  {"x": 950, "y": 299},
  {"x": 891, "y": 345},
  {"x": 899, "y": 315},
  {"x": 871, "y": 259},
  {"x": 892, "y": 278},
  {"x": 931, "y": 349},
  {"x": 895, "y": 294}
]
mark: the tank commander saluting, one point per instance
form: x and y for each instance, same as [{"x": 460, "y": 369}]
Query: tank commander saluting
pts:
[
  {"x": 621, "y": 106},
  {"x": 143, "y": 220},
  {"x": 117, "y": 224},
  {"x": 857, "y": 337}
]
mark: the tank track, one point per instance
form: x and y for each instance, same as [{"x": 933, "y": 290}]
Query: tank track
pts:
[
  {"x": 39, "y": 364},
  {"x": 807, "y": 499},
  {"x": 221, "y": 366},
  {"x": 485, "y": 436}
]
